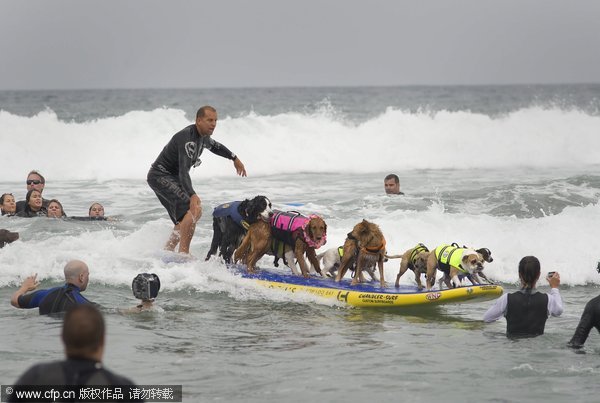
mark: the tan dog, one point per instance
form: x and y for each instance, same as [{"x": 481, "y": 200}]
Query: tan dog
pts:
[
  {"x": 452, "y": 261},
  {"x": 303, "y": 234},
  {"x": 364, "y": 246},
  {"x": 414, "y": 259},
  {"x": 255, "y": 244}
]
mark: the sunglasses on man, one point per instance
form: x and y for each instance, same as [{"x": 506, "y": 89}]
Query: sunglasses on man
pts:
[{"x": 33, "y": 182}]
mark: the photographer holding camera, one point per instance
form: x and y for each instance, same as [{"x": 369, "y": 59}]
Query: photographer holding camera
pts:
[{"x": 527, "y": 310}]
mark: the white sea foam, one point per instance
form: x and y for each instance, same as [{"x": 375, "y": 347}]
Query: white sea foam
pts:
[{"x": 125, "y": 146}]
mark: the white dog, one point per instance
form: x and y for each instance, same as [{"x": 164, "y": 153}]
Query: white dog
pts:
[{"x": 331, "y": 260}]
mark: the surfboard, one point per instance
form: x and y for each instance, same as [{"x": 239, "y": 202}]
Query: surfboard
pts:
[
  {"x": 174, "y": 257},
  {"x": 369, "y": 295}
]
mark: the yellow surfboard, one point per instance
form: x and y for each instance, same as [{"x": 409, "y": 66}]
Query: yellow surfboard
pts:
[{"x": 371, "y": 295}]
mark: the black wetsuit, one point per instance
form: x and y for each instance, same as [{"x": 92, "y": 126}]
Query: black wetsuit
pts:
[
  {"x": 28, "y": 212},
  {"x": 81, "y": 372},
  {"x": 94, "y": 218},
  {"x": 589, "y": 319},
  {"x": 22, "y": 204},
  {"x": 169, "y": 175}
]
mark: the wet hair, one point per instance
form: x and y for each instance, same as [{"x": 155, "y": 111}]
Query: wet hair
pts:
[
  {"x": 202, "y": 111},
  {"x": 34, "y": 172},
  {"x": 529, "y": 271},
  {"x": 83, "y": 331},
  {"x": 145, "y": 286},
  {"x": 392, "y": 176},
  {"x": 60, "y": 204},
  {"x": 4, "y": 196},
  {"x": 29, "y": 193},
  {"x": 92, "y": 205}
]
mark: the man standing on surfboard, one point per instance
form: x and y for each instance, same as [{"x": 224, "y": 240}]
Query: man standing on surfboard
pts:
[{"x": 169, "y": 175}]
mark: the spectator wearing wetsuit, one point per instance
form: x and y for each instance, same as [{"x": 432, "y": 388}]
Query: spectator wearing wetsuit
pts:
[
  {"x": 55, "y": 209},
  {"x": 527, "y": 310},
  {"x": 36, "y": 181},
  {"x": 589, "y": 319},
  {"x": 83, "y": 337},
  {"x": 34, "y": 206},
  {"x": 57, "y": 299},
  {"x": 391, "y": 185},
  {"x": 8, "y": 206},
  {"x": 169, "y": 175}
]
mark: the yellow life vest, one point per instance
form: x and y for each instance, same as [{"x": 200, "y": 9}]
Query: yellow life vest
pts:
[{"x": 450, "y": 256}]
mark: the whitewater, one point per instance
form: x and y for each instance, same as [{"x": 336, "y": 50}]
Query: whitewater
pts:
[{"x": 515, "y": 170}]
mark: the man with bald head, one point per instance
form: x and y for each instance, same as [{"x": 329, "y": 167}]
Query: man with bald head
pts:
[
  {"x": 57, "y": 299},
  {"x": 83, "y": 337}
]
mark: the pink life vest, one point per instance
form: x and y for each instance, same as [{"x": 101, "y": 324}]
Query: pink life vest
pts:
[{"x": 284, "y": 223}]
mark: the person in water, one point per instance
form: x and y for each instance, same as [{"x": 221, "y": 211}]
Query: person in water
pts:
[
  {"x": 35, "y": 180},
  {"x": 391, "y": 185},
  {"x": 145, "y": 287},
  {"x": 169, "y": 175},
  {"x": 83, "y": 337},
  {"x": 8, "y": 206},
  {"x": 527, "y": 310},
  {"x": 55, "y": 209},
  {"x": 590, "y": 318},
  {"x": 34, "y": 206},
  {"x": 95, "y": 213},
  {"x": 57, "y": 299}
]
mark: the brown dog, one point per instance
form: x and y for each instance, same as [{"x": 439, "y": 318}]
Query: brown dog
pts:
[
  {"x": 7, "y": 236},
  {"x": 452, "y": 261},
  {"x": 255, "y": 244},
  {"x": 364, "y": 246},
  {"x": 302, "y": 234},
  {"x": 414, "y": 259}
]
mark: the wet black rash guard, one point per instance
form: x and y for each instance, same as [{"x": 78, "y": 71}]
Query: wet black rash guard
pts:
[
  {"x": 589, "y": 319},
  {"x": 182, "y": 152}
]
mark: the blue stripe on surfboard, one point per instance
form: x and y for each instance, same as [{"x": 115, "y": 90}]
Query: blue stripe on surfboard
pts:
[{"x": 321, "y": 282}]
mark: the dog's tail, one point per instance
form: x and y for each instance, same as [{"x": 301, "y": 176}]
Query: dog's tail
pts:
[{"x": 393, "y": 256}]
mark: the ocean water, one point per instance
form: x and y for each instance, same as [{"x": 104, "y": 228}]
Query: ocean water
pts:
[{"x": 514, "y": 169}]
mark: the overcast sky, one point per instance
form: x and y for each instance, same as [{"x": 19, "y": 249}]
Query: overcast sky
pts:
[{"x": 248, "y": 43}]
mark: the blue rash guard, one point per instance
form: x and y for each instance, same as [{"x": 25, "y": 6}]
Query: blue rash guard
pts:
[{"x": 53, "y": 300}]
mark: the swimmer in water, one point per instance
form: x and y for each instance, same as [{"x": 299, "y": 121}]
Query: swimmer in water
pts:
[{"x": 145, "y": 287}]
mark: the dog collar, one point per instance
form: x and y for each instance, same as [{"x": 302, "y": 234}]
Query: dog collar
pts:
[{"x": 373, "y": 249}]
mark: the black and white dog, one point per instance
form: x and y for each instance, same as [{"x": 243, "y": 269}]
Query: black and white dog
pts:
[{"x": 231, "y": 221}]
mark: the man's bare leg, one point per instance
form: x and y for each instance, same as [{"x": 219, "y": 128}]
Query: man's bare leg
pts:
[
  {"x": 187, "y": 229},
  {"x": 173, "y": 239}
]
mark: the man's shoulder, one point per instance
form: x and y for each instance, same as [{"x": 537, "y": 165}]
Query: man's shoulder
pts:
[
  {"x": 41, "y": 374},
  {"x": 116, "y": 379},
  {"x": 185, "y": 132},
  {"x": 21, "y": 205}
]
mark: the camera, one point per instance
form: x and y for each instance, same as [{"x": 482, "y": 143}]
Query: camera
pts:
[{"x": 551, "y": 273}]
